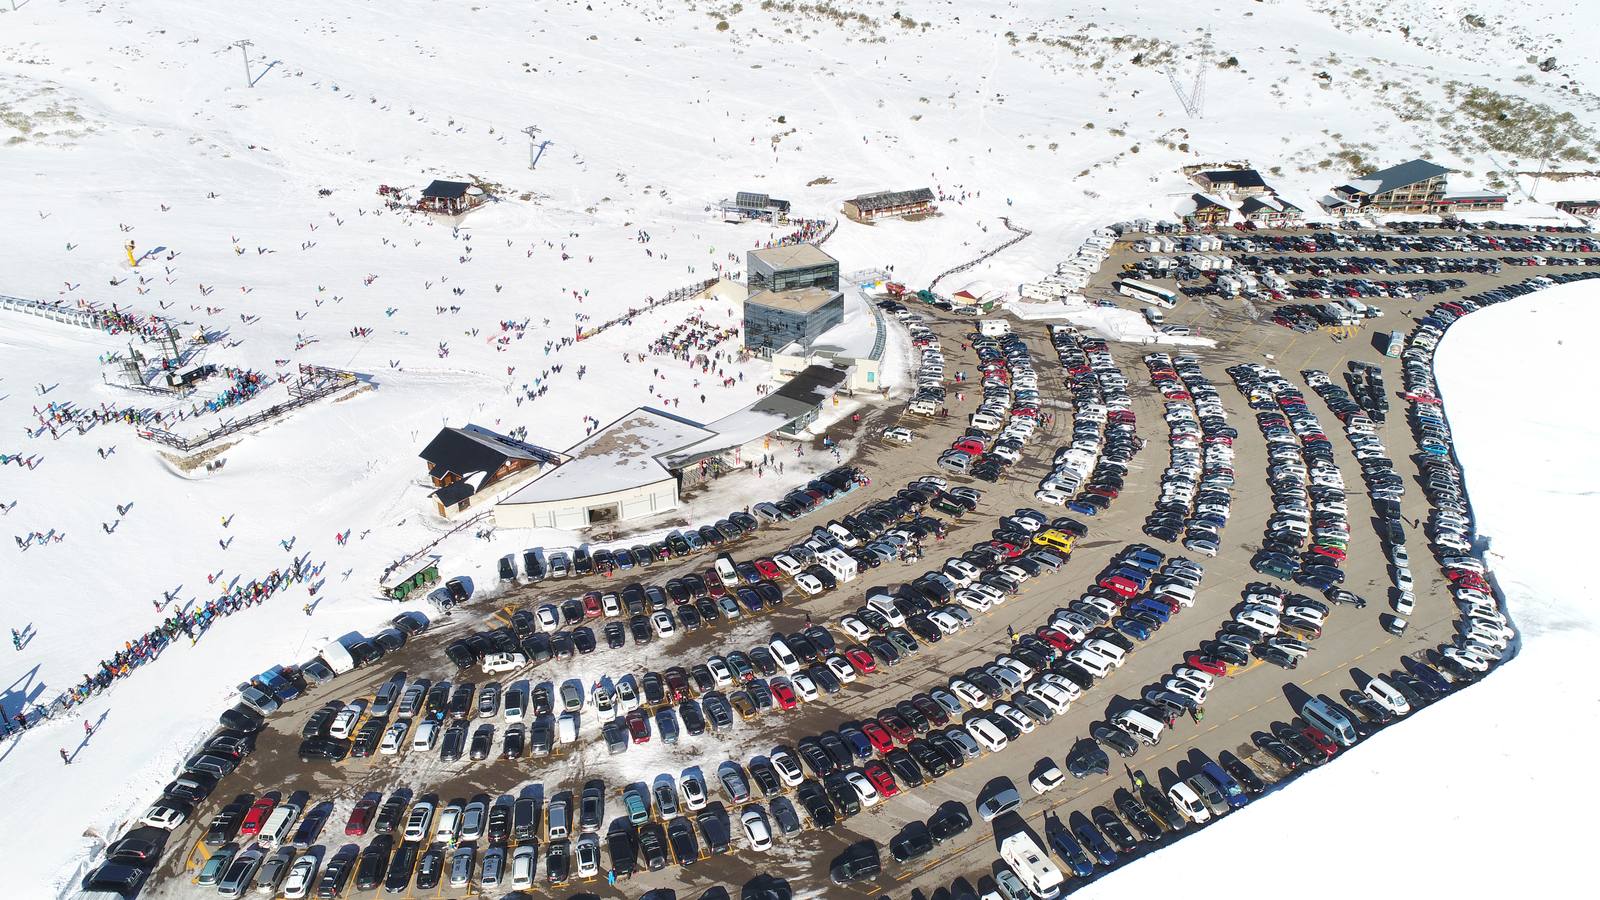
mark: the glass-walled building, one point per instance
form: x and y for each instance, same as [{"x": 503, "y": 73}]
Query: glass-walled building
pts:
[{"x": 791, "y": 267}]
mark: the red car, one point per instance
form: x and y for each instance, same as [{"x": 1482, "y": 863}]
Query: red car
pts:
[
  {"x": 257, "y": 816},
  {"x": 1008, "y": 550},
  {"x": 768, "y": 570},
  {"x": 1333, "y": 553},
  {"x": 1323, "y": 742},
  {"x": 784, "y": 695},
  {"x": 638, "y": 727},
  {"x": 878, "y": 774},
  {"x": 880, "y": 738},
  {"x": 861, "y": 660},
  {"x": 1054, "y": 638},
  {"x": 1119, "y": 585},
  {"x": 592, "y": 608},
  {"x": 360, "y": 818},
  {"x": 898, "y": 727},
  {"x": 1206, "y": 664},
  {"x": 969, "y": 446}
]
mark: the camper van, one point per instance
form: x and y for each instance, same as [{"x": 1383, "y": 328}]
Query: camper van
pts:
[
  {"x": 994, "y": 327},
  {"x": 1329, "y": 721}
]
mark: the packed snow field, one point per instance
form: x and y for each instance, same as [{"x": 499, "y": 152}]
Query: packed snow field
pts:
[
  {"x": 1470, "y": 771},
  {"x": 255, "y": 215}
]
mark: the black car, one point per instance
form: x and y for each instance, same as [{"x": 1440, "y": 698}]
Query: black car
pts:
[
  {"x": 951, "y": 820},
  {"x": 482, "y": 742},
  {"x": 1134, "y": 812},
  {"x": 400, "y": 867},
  {"x": 1115, "y": 738},
  {"x": 859, "y": 862},
  {"x": 460, "y": 653},
  {"x": 225, "y": 824},
  {"x": 135, "y": 851},
  {"x": 912, "y": 842},
  {"x": 1246, "y": 776},
  {"x": 454, "y": 742},
  {"x": 366, "y": 740},
  {"x": 694, "y": 721},
  {"x": 685, "y": 848},
  {"x": 653, "y": 846},
  {"x": 1162, "y": 808},
  {"x": 558, "y": 862},
  {"x": 316, "y": 725},
  {"x": 1282, "y": 752},
  {"x": 1086, "y": 758},
  {"x": 1113, "y": 828},
  {"x": 389, "y": 813},
  {"x": 814, "y": 801},
  {"x": 323, "y": 749},
  {"x": 621, "y": 850},
  {"x": 639, "y": 626},
  {"x": 374, "y": 862},
  {"x": 904, "y": 766},
  {"x": 430, "y": 866}
]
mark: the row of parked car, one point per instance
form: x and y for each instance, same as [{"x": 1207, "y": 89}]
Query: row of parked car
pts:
[
  {"x": 1088, "y": 474},
  {"x": 1008, "y": 411},
  {"x": 1197, "y": 485},
  {"x": 1307, "y": 487},
  {"x": 1407, "y": 238},
  {"x": 1484, "y": 634}
]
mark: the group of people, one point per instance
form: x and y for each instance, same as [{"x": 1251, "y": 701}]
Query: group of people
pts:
[{"x": 192, "y": 624}]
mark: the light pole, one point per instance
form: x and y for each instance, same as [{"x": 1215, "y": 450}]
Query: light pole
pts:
[{"x": 532, "y": 132}]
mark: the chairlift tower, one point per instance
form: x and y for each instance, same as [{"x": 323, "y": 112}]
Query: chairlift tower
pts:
[{"x": 1194, "y": 99}]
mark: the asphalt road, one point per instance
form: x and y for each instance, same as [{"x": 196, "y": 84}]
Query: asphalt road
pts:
[{"x": 1353, "y": 642}]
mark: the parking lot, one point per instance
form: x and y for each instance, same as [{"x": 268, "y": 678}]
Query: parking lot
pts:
[{"x": 1353, "y": 645}]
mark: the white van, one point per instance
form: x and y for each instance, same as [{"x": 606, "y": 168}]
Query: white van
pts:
[
  {"x": 1110, "y": 651},
  {"x": 496, "y": 663},
  {"x": 923, "y": 407},
  {"x": 784, "y": 657},
  {"x": 1097, "y": 665},
  {"x": 986, "y": 734},
  {"x": 986, "y": 421},
  {"x": 840, "y": 563},
  {"x": 1139, "y": 725}
]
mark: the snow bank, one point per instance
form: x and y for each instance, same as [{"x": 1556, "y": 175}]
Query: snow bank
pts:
[{"x": 1465, "y": 798}]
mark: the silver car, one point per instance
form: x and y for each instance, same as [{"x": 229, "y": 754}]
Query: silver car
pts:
[
  {"x": 461, "y": 866},
  {"x": 494, "y": 860},
  {"x": 236, "y": 880}
]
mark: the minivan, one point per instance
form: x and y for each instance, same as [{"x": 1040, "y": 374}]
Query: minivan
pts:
[
  {"x": 1141, "y": 726},
  {"x": 1328, "y": 720},
  {"x": 556, "y": 823}
]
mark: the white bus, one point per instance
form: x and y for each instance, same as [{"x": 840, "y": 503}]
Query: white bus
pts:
[{"x": 1140, "y": 290}]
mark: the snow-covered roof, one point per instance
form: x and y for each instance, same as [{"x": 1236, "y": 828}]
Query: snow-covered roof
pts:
[
  {"x": 793, "y": 256},
  {"x": 624, "y": 454}
]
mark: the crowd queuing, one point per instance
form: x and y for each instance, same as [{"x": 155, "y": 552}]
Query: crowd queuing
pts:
[{"x": 140, "y": 650}]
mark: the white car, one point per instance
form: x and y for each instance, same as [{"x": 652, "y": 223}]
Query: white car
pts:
[
  {"x": 164, "y": 816},
  {"x": 549, "y": 617},
  {"x": 863, "y": 788},
  {"x": 345, "y": 722},
  {"x": 302, "y": 877},
  {"x": 498, "y": 663},
  {"x": 1186, "y": 688},
  {"x": 427, "y": 733},
  {"x": 394, "y": 737},
  {"x": 973, "y": 600},
  {"x": 1202, "y": 680},
  {"x": 1051, "y": 696},
  {"x": 757, "y": 833},
  {"x": 946, "y": 623},
  {"x": 969, "y": 693},
  {"x": 804, "y": 686},
  {"x": 1047, "y": 780},
  {"x": 1467, "y": 659},
  {"x": 1384, "y": 694},
  {"x": 841, "y": 669},
  {"x": 1189, "y": 803},
  {"x": 1016, "y": 717},
  {"x": 418, "y": 820},
  {"x": 903, "y": 435},
  {"x": 787, "y": 768},
  {"x": 693, "y": 792},
  {"x": 1062, "y": 683},
  {"x": 855, "y": 628},
  {"x": 662, "y": 623},
  {"x": 523, "y": 861},
  {"x": 808, "y": 583},
  {"x": 720, "y": 673}
]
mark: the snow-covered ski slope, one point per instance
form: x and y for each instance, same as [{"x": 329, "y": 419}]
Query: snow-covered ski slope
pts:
[{"x": 132, "y": 121}]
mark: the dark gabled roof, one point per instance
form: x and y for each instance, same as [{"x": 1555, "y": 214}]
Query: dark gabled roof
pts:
[
  {"x": 465, "y": 451},
  {"x": 886, "y": 199},
  {"x": 1395, "y": 177},
  {"x": 1273, "y": 204},
  {"x": 445, "y": 190},
  {"x": 1239, "y": 178},
  {"x": 454, "y": 492},
  {"x": 1201, "y": 201}
]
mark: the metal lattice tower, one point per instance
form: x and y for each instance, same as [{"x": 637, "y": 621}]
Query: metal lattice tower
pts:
[{"x": 1194, "y": 99}]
